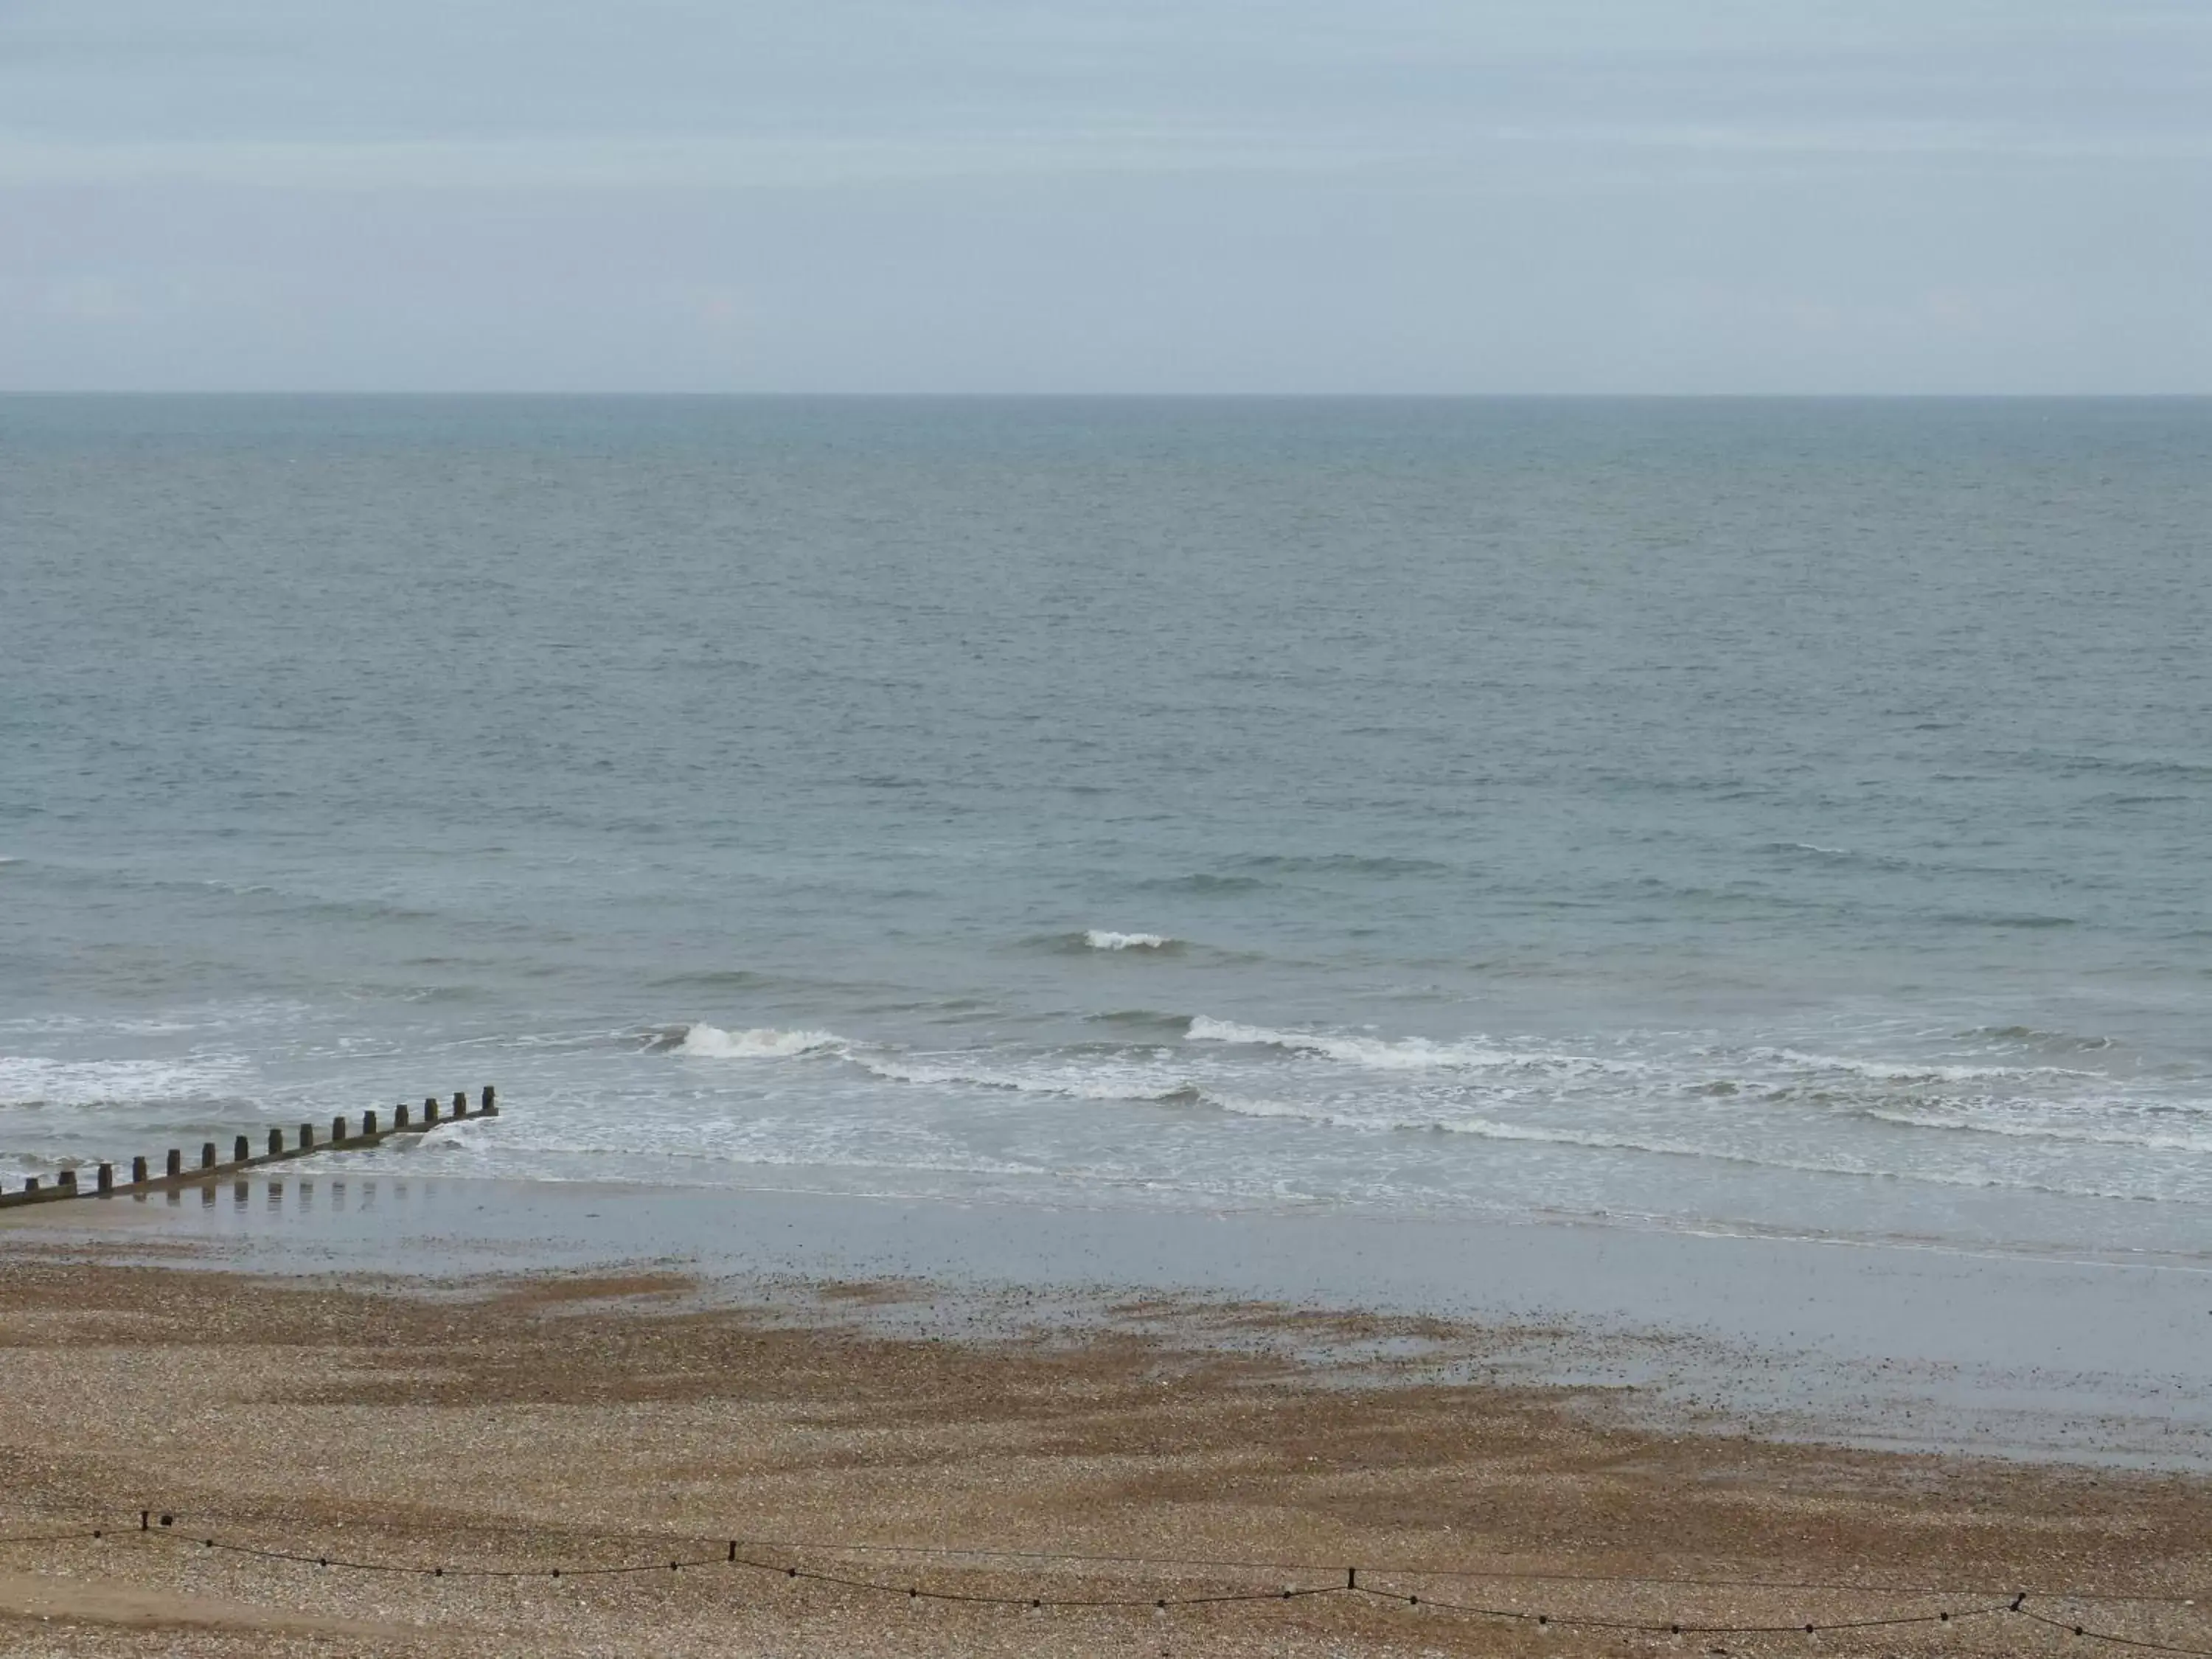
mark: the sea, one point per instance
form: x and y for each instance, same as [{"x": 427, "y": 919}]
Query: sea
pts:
[{"x": 1786, "y": 818}]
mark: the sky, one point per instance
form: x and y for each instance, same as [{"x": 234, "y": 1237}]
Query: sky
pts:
[{"x": 1107, "y": 196}]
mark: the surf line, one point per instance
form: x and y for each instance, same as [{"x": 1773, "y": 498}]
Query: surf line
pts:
[{"x": 343, "y": 1138}]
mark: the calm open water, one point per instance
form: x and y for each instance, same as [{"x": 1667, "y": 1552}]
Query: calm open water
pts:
[{"x": 1741, "y": 815}]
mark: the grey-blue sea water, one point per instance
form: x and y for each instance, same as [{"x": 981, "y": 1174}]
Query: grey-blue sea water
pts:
[{"x": 1751, "y": 816}]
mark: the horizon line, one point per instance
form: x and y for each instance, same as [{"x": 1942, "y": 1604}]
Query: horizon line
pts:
[{"x": 1106, "y": 396}]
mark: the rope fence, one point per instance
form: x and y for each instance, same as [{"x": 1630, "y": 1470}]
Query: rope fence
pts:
[{"x": 1380, "y": 1584}]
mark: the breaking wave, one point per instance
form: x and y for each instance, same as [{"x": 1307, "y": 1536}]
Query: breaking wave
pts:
[
  {"x": 704, "y": 1042},
  {"x": 2029, "y": 1036},
  {"x": 1393, "y": 1054},
  {"x": 1895, "y": 1070},
  {"x": 1965, "y": 1123},
  {"x": 1135, "y": 1084},
  {"x": 1103, "y": 939}
]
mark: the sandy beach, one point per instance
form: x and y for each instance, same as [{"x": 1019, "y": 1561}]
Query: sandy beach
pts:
[{"x": 502, "y": 1421}]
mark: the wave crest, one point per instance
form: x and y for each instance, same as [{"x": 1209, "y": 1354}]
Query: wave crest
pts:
[
  {"x": 704, "y": 1042},
  {"x": 1105, "y": 939},
  {"x": 1134, "y": 1084},
  {"x": 1393, "y": 1054},
  {"x": 1906, "y": 1071}
]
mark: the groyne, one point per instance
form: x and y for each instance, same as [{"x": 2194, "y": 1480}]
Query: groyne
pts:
[{"x": 251, "y": 1151}]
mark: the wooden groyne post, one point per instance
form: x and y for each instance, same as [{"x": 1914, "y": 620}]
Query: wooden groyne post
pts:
[{"x": 345, "y": 1138}]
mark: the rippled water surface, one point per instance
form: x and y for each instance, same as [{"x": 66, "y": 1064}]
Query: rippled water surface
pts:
[{"x": 1761, "y": 816}]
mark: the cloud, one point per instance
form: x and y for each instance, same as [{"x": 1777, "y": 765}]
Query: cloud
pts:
[{"x": 1031, "y": 194}]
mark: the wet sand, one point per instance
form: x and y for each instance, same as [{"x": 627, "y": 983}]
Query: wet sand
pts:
[
  {"x": 526, "y": 1422},
  {"x": 1903, "y": 1347}
]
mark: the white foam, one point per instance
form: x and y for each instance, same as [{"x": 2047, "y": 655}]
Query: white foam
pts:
[
  {"x": 704, "y": 1042},
  {"x": 1103, "y": 938},
  {"x": 1391, "y": 1054},
  {"x": 1091, "y": 1083},
  {"x": 25, "y": 1077},
  {"x": 1895, "y": 1070},
  {"x": 1486, "y": 1128},
  {"x": 2148, "y": 1140}
]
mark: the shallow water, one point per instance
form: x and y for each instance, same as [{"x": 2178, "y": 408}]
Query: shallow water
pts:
[{"x": 1741, "y": 817}]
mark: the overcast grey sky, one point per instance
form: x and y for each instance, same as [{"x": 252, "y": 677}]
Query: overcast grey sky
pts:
[{"x": 1080, "y": 195}]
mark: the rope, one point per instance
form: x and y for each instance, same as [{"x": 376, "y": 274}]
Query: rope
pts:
[
  {"x": 1400, "y": 1569},
  {"x": 2071, "y": 1628},
  {"x": 735, "y": 1555}
]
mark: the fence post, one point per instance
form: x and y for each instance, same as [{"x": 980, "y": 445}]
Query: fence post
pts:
[{"x": 174, "y": 1167}]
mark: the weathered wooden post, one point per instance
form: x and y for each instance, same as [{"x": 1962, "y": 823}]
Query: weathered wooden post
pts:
[
  {"x": 137, "y": 1171},
  {"x": 30, "y": 1184},
  {"x": 460, "y": 1102},
  {"x": 241, "y": 1151},
  {"x": 306, "y": 1137},
  {"x": 338, "y": 1130},
  {"x": 430, "y": 1110},
  {"x": 369, "y": 1125},
  {"x": 206, "y": 1155},
  {"x": 276, "y": 1143},
  {"x": 106, "y": 1179},
  {"x": 68, "y": 1178},
  {"x": 176, "y": 1162},
  {"x": 399, "y": 1115},
  {"x": 490, "y": 1102}
]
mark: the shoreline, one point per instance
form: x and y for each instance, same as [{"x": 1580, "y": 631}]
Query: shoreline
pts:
[
  {"x": 2094, "y": 1363},
  {"x": 512, "y": 1423}
]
